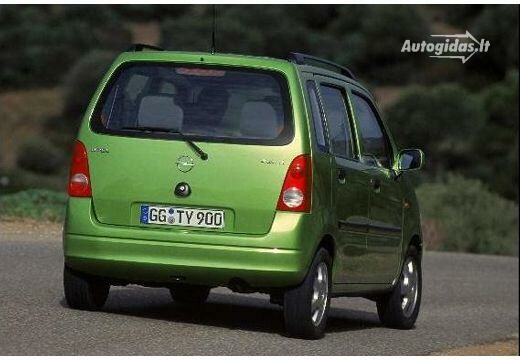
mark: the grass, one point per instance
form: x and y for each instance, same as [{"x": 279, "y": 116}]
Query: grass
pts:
[{"x": 39, "y": 204}]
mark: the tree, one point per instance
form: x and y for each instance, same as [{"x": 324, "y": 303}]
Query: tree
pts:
[
  {"x": 499, "y": 25},
  {"x": 371, "y": 38},
  {"x": 253, "y": 29},
  {"x": 443, "y": 120},
  {"x": 496, "y": 145},
  {"x": 39, "y": 43}
]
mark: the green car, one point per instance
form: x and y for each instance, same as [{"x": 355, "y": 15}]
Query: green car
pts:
[{"x": 198, "y": 170}]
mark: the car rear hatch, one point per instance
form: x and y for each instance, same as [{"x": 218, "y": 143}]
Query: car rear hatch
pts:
[{"x": 139, "y": 147}]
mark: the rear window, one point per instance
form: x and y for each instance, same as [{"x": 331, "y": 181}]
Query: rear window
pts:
[{"x": 209, "y": 103}]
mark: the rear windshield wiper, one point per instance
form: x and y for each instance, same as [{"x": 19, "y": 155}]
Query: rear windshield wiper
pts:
[{"x": 194, "y": 146}]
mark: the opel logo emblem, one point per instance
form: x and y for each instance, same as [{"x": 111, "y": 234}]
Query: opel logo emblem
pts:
[{"x": 185, "y": 163}]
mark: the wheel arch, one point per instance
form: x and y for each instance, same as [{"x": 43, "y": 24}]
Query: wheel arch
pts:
[
  {"x": 328, "y": 243},
  {"x": 416, "y": 241}
]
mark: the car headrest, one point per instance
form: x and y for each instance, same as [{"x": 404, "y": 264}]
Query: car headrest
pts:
[
  {"x": 258, "y": 119},
  {"x": 160, "y": 111}
]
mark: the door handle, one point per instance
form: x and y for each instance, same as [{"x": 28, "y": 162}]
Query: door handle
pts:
[
  {"x": 376, "y": 184},
  {"x": 342, "y": 176}
]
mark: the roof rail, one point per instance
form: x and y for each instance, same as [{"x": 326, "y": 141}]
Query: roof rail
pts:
[
  {"x": 142, "y": 47},
  {"x": 304, "y": 59}
]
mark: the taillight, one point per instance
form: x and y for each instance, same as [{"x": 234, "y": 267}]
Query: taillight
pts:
[
  {"x": 297, "y": 187},
  {"x": 79, "y": 176}
]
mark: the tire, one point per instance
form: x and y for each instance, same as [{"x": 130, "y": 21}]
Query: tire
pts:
[
  {"x": 400, "y": 308},
  {"x": 302, "y": 318},
  {"x": 84, "y": 293},
  {"x": 190, "y": 294}
]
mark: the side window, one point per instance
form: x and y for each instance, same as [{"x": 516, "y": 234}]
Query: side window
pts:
[
  {"x": 316, "y": 116},
  {"x": 374, "y": 140},
  {"x": 337, "y": 121}
]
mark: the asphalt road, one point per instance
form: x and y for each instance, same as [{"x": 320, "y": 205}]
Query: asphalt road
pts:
[{"x": 467, "y": 299}]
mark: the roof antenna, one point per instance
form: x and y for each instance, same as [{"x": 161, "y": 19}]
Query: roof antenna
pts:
[{"x": 214, "y": 30}]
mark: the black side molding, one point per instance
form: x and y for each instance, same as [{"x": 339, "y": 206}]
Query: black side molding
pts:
[{"x": 370, "y": 227}]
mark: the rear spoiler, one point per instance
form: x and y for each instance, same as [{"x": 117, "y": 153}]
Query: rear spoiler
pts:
[{"x": 142, "y": 47}]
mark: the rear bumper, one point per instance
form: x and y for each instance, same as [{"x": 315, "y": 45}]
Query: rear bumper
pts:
[
  {"x": 163, "y": 256},
  {"x": 160, "y": 262}
]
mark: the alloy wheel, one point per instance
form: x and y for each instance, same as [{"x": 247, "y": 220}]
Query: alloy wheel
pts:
[{"x": 320, "y": 294}]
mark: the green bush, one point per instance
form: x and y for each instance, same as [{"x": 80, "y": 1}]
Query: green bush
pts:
[
  {"x": 40, "y": 156},
  {"x": 36, "y": 204},
  {"x": 79, "y": 84},
  {"x": 15, "y": 180},
  {"x": 469, "y": 217}
]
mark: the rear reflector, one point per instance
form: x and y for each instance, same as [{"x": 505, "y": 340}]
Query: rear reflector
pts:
[
  {"x": 297, "y": 187},
  {"x": 79, "y": 176}
]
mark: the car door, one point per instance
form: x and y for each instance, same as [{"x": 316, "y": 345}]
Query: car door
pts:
[
  {"x": 385, "y": 203},
  {"x": 349, "y": 183}
]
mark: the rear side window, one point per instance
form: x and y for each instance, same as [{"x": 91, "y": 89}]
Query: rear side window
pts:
[
  {"x": 339, "y": 128},
  {"x": 316, "y": 116},
  {"x": 213, "y": 103},
  {"x": 374, "y": 140}
]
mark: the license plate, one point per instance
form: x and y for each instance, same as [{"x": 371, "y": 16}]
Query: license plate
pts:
[{"x": 176, "y": 216}]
